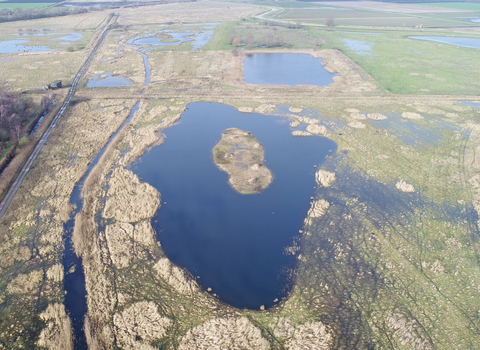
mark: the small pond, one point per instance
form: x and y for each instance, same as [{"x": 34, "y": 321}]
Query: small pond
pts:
[
  {"x": 107, "y": 80},
  {"x": 285, "y": 69},
  {"x": 233, "y": 242},
  {"x": 17, "y": 46},
  {"x": 473, "y": 43}
]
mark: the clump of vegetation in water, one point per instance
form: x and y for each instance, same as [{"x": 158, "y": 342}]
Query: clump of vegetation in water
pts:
[{"x": 240, "y": 155}]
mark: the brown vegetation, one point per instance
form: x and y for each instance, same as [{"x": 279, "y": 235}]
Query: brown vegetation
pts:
[
  {"x": 225, "y": 333},
  {"x": 241, "y": 156}
]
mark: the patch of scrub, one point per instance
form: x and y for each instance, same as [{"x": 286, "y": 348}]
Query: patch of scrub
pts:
[
  {"x": 107, "y": 80},
  {"x": 473, "y": 43},
  {"x": 225, "y": 333},
  {"x": 359, "y": 47},
  {"x": 17, "y": 46},
  {"x": 241, "y": 156},
  {"x": 403, "y": 186}
]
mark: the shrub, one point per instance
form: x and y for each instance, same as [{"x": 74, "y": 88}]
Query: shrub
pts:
[
  {"x": 4, "y": 135},
  {"x": 24, "y": 140}
]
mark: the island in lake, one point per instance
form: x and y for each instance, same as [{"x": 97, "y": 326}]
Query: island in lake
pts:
[{"x": 241, "y": 156}]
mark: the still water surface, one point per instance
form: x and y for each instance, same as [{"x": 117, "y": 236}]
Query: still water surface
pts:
[
  {"x": 234, "y": 243},
  {"x": 285, "y": 69},
  {"x": 107, "y": 80},
  {"x": 473, "y": 43}
]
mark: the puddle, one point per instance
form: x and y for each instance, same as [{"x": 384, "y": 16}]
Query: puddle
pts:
[
  {"x": 359, "y": 47},
  {"x": 472, "y": 43},
  {"x": 285, "y": 69},
  {"x": 107, "y": 80}
]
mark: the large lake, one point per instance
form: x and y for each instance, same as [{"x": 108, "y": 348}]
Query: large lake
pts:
[
  {"x": 234, "y": 243},
  {"x": 285, "y": 69}
]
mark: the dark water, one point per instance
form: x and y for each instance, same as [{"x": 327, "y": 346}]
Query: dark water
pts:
[
  {"x": 473, "y": 43},
  {"x": 233, "y": 242},
  {"x": 74, "y": 283},
  {"x": 285, "y": 69},
  {"x": 109, "y": 81}
]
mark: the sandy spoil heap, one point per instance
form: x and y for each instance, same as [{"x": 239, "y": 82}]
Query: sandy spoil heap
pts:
[{"x": 241, "y": 156}]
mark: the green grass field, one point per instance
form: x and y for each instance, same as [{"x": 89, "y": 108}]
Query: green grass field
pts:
[
  {"x": 407, "y": 66},
  {"x": 376, "y": 19}
]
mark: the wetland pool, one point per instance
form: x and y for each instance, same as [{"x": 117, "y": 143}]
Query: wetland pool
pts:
[
  {"x": 232, "y": 243},
  {"x": 285, "y": 69},
  {"x": 472, "y": 43},
  {"x": 107, "y": 80}
]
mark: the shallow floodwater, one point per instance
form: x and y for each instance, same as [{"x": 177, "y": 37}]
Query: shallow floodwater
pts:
[
  {"x": 100, "y": 80},
  {"x": 233, "y": 242},
  {"x": 16, "y": 46},
  {"x": 285, "y": 69},
  {"x": 197, "y": 38},
  {"x": 360, "y": 47},
  {"x": 473, "y": 43},
  {"x": 177, "y": 38},
  {"x": 470, "y": 103}
]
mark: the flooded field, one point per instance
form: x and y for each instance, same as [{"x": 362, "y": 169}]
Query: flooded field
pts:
[
  {"x": 285, "y": 69},
  {"x": 473, "y": 43},
  {"x": 197, "y": 35}
]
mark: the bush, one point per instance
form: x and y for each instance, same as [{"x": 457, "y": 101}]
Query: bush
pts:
[
  {"x": 70, "y": 49},
  {"x": 4, "y": 135},
  {"x": 24, "y": 140}
]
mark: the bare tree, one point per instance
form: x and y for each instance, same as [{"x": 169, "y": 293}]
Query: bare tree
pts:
[{"x": 330, "y": 21}]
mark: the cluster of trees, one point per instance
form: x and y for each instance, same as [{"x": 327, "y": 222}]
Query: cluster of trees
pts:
[
  {"x": 297, "y": 24},
  {"x": 20, "y": 14},
  {"x": 12, "y": 110},
  {"x": 248, "y": 39},
  {"x": 14, "y": 119}
]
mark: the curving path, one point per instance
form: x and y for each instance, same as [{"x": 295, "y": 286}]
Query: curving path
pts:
[{"x": 21, "y": 176}]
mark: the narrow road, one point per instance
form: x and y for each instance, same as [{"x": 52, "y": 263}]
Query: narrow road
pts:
[{"x": 21, "y": 176}]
